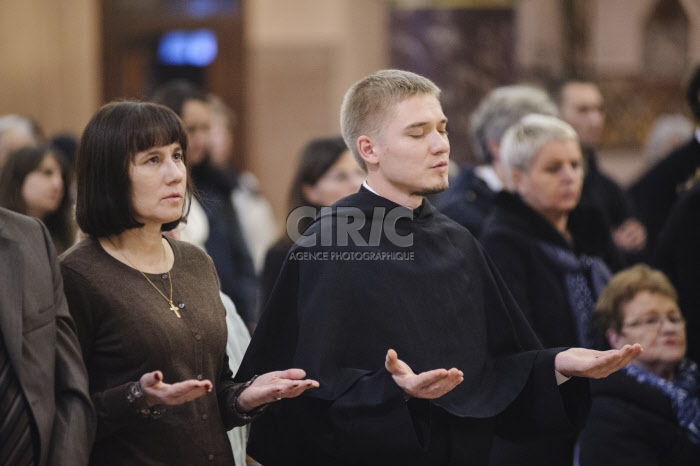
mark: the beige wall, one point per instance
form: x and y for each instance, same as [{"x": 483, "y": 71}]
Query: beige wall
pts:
[
  {"x": 302, "y": 56},
  {"x": 538, "y": 27},
  {"x": 616, "y": 36},
  {"x": 49, "y": 61},
  {"x": 618, "y": 45},
  {"x": 692, "y": 8}
]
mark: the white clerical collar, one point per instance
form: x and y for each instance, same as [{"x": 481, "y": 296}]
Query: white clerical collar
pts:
[
  {"x": 364, "y": 183},
  {"x": 488, "y": 174},
  {"x": 697, "y": 134}
]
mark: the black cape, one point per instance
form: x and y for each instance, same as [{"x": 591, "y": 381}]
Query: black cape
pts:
[{"x": 439, "y": 303}]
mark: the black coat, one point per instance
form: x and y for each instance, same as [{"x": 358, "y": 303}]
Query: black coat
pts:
[
  {"x": 226, "y": 244},
  {"x": 678, "y": 255},
  {"x": 510, "y": 236},
  {"x": 656, "y": 192},
  {"x": 335, "y": 312},
  {"x": 602, "y": 193},
  {"x": 633, "y": 424},
  {"x": 468, "y": 201}
]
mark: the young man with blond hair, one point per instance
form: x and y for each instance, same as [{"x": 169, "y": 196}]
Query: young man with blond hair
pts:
[{"x": 384, "y": 275}]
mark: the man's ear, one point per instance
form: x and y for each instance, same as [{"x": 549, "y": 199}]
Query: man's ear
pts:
[{"x": 366, "y": 149}]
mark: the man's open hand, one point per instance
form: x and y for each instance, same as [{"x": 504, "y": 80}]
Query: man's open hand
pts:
[
  {"x": 428, "y": 385},
  {"x": 581, "y": 362}
]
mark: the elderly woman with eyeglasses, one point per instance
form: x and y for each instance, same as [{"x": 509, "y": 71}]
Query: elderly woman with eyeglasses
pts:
[{"x": 649, "y": 412}]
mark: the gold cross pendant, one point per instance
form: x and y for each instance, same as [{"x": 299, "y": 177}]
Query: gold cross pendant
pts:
[{"x": 174, "y": 309}]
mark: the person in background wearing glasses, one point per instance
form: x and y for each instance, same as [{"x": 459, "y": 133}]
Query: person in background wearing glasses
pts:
[{"x": 649, "y": 412}]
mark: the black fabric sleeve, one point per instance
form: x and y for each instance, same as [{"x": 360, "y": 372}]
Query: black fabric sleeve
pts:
[
  {"x": 543, "y": 407},
  {"x": 374, "y": 413},
  {"x": 226, "y": 392},
  {"x": 370, "y": 423}
]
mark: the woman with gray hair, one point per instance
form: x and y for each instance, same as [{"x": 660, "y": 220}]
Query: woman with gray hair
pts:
[
  {"x": 470, "y": 197},
  {"x": 554, "y": 272}
]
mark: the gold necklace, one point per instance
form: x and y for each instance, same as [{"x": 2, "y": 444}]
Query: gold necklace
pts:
[{"x": 173, "y": 307}]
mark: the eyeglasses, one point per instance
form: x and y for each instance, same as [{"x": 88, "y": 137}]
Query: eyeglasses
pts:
[{"x": 655, "y": 320}]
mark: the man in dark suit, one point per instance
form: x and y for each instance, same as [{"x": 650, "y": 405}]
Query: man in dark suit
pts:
[
  {"x": 658, "y": 190},
  {"x": 581, "y": 105},
  {"x": 46, "y": 416}
]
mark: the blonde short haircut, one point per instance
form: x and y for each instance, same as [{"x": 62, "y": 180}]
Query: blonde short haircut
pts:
[
  {"x": 367, "y": 103},
  {"x": 523, "y": 140}
]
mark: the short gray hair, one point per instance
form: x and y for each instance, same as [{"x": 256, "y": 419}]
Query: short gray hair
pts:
[
  {"x": 19, "y": 124},
  {"x": 500, "y": 109},
  {"x": 367, "y": 102},
  {"x": 16, "y": 121},
  {"x": 523, "y": 140}
]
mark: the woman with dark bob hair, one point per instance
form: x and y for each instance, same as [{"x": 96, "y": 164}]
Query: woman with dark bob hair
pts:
[
  {"x": 326, "y": 173},
  {"x": 35, "y": 181},
  {"x": 147, "y": 308}
]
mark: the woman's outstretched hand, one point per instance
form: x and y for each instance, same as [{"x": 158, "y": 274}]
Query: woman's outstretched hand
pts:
[
  {"x": 158, "y": 392},
  {"x": 274, "y": 386}
]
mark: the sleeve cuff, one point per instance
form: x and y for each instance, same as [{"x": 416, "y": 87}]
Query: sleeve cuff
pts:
[{"x": 560, "y": 377}]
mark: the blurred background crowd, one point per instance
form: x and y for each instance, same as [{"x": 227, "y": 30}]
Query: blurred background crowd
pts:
[{"x": 258, "y": 84}]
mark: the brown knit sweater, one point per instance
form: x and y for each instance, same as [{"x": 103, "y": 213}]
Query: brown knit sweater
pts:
[{"x": 126, "y": 329}]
